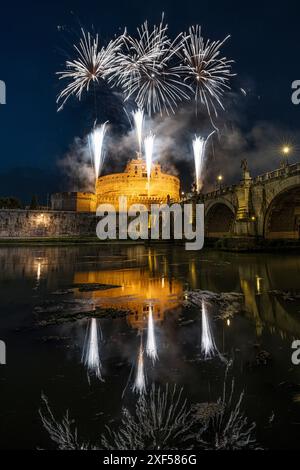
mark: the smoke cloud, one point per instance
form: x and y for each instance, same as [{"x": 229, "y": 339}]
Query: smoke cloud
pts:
[
  {"x": 233, "y": 142},
  {"x": 77, "y": 167}
]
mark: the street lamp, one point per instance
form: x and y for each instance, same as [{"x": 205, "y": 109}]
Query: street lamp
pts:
[
  {"x": 220, "y": 179},
  {"x": 286, "y": 150}
]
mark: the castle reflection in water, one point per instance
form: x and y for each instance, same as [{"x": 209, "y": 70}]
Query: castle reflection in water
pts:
[
  {"x": 157, "y": 277},
  {"x": 138, "y": 291}
]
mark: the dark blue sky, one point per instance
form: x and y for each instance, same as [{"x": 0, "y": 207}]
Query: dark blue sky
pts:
[{"x": 265, "y": 41}]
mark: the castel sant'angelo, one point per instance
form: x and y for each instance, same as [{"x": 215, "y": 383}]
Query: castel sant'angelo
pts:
[{"x": 132, "y": 183}]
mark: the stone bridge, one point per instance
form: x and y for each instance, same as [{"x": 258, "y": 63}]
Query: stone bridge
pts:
[{"x": 267, "y": 206}]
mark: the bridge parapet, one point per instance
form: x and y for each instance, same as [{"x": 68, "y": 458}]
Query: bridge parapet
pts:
[
  {"x": 279, "y": 173},
  {"x": 218, "y": 192}
]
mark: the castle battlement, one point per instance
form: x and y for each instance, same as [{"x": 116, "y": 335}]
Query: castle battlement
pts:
[{"x": 133, "y": 183}]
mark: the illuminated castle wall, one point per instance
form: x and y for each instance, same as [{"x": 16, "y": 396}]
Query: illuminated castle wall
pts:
[
  {"x": 133, "y": 183},
  {"x": 73, "y": 201}
]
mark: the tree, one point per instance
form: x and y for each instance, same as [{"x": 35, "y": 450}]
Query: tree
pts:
[{"x": 10, "y": 203}]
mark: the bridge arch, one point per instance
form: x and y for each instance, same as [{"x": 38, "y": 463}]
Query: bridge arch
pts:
[
  {"x": 219, "y": 218},
  {"x": 282, "y": 219}
]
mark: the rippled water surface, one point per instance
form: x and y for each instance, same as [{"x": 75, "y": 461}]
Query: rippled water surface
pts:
[{"x": 50, "y": 294}]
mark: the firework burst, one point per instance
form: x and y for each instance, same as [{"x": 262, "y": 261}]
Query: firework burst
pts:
[
  {"x": 207, "y": 73},
  {"x": 96, "y": 139},
  {"x": 138, "y": 117},
  {"x": 91, "y": 64},
  {"x": 147, "y": 71},
  {"x": 151, "y": 69},
  {"x": 199, "y": 146},
  {"x": 149, "y": 145}
]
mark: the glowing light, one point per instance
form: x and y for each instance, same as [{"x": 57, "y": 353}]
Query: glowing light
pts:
[
  {"x": 91, "y": 64},
  {"x": 90, "y": 355},
  {"x": 228, "y": 322},
  {"x": 39, "y": 266},
  {"x": 38, "y": 271},
  {"x": 151, "y": 347},
  {"x": 258, "y": 284},
  {"x": 199, "y": 145},
  {"x": 286, "y": 149},
  {"x": 208, "y": 346},
  {"x": 96, "y": 139},
  {"x": 155, "y": 71},
  {"x": 138, "y": 117},
  {"x": 207, "y": 73},
  {"x": 220, "y": 178},
  {"x": 41, "y": 219},
  {"x": 147, "y": 72},
  {"x": 149, "y": 145},
  {"x": 139, "y": 385}
]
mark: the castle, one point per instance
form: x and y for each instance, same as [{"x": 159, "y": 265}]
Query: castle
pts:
[{"x": 133, "y": 183}]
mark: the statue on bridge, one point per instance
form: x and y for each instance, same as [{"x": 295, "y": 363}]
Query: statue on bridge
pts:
[
  {"x": 244, "y": 165},
  {"x": 245, "y": 168}
]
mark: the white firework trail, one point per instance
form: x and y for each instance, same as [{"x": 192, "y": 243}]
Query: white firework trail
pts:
[
  {"x": 90, "y": 355},
  {"x": 207, "y": 73},
  {"x": 147, "y": 73},
  {"x": 138, "y": 117},
  {"x": 149, "y": 146},
  {"x": 151, "y": 348},
  {"x": 155, "y": 71},
  {"x": 199, "y": 146},
  {"x": 139, "y": 385},
  {"x": 208, "y": 346},
  {"x": 96, "y": 139},
  {"x": 91, "y": 64}
]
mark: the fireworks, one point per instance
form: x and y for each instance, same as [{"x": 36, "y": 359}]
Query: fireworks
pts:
[
  {"x": 96, "y": 139},
  {"x": 147, "y": 71},
  {"x": 91, "y": 64},
  {"x": 149, "y": 144},
  {"x": 208, "y": 346},
  {"x": 199, "y": 146},
  {"x": 151, "y": 348},
  {"x": 138, "y": 117},
  {"x": 90, "y": 355},
  {"x": 207, "y": 73},
  {"x": 155, "y": 71}
]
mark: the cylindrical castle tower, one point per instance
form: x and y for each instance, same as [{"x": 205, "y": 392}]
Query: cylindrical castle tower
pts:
[{"x": 133, "y": 184}]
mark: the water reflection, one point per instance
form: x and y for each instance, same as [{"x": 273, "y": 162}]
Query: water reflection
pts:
[
  {"x": 263, "y": 284},
  {"x": 208, "y": 346},
  {"x": 90, "y": 355},
  {"x": 157, "y": 278},
  {"x": 139, "y": 385},
  {"x": 151, "y": 340},
  {"x": 151, "y": 284},
  {"x": 138, "y": 291}
]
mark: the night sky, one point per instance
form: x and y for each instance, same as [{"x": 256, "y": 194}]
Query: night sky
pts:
[{"x": 34, "y": 37}]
